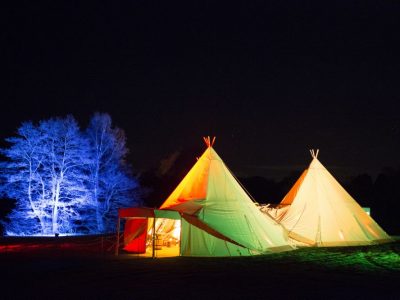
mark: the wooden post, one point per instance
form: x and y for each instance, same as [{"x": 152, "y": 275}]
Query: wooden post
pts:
[
  {"x": 154, "y": 236},
  {"x": 180, "y": 237},
  {"x": 117, "y": 244}
]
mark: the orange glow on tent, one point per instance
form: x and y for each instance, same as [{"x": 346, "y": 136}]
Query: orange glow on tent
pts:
[
  {"x": 293, "y": 191},
  {"x": 192, "y": 189},
  {"x": 190, "y": 192}
]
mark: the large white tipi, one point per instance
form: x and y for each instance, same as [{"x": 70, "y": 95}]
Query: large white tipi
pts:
[
  {"x": 318, "y": 211},
  {"x": 216, "y": 215},
  {"x": 212, "y": 195}
]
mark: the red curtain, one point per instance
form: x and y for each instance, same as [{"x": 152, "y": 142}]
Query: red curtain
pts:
[{"x": 135, "y": 235}]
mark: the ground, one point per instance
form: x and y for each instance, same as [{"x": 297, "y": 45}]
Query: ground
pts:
[{"x": 58, "y": 271}]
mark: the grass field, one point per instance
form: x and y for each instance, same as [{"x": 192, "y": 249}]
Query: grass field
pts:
[{"x": 371, "y": 272}]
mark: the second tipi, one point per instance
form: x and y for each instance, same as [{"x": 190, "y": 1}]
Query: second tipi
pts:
[{"x": 318, "y": 211}]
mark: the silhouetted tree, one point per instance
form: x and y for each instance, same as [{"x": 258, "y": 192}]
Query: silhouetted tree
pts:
[
  {"x": 361, "y": 188},
  {"x": 262, "y": 190},
  {"x": 387, "y": 199},
  {"x": 163, "y": 178}
]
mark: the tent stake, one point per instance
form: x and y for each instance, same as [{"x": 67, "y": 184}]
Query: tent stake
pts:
[{"x": 117, "y": 244}]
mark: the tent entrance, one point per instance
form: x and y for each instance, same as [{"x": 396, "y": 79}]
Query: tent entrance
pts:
[
  {"x": 152, "y": 237},
  {"x": 150, "y": 232},
  {"x": 167, "y": 237}
]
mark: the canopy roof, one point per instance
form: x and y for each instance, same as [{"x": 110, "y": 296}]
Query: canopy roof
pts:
[{"x": 144, "y": 212}]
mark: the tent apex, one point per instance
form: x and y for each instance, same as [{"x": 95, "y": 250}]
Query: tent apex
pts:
[
  {"x": 208, "y": 141},
  {"x": 314, "y": 153}
]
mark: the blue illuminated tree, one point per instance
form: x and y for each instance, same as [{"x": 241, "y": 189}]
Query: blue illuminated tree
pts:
[
  {"x": 111, "y": 184},
  {"x": 46, "y": 176},
  {"x": 64, "y": 180},
  {"x": 64, "y": 172},
  {"x": 21, "y": 174}
]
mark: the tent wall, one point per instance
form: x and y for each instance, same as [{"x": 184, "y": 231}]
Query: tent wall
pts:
[
  {"x": 197, "y": 242},
  {"x": 229, "y": 210}
]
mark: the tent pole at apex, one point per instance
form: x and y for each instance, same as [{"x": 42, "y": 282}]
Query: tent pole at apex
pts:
[{"x": 208, "y": 141}]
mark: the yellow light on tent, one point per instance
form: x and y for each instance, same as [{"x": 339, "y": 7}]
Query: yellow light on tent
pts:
[
  {"x": 371, "y": 231},
  {"x": 341, "y": 235},
  {"x": 176, "y": 232}
]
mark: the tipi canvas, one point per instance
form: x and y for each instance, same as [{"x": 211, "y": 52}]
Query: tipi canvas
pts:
[
  {"x": 317, "y": 211},
  {"x": 218, "y": 218}
]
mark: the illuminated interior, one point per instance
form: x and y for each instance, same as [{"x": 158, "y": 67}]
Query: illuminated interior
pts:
[{"x": 165, "y": 242}]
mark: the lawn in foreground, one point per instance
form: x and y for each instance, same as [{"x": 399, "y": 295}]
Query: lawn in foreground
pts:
[{"x": 330, "y": 273}]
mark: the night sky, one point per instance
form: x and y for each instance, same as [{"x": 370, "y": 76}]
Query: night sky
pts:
[{"x": 271, "y": 79}]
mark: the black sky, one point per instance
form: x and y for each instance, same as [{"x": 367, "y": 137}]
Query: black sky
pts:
[{"x": 270, "y": 79}]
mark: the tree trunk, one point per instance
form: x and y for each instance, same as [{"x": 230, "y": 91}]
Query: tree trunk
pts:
[
  {"x": 55, "y": 209},
  {"x": 99, "y": 217},
  {"x": 31, "y": 204}
]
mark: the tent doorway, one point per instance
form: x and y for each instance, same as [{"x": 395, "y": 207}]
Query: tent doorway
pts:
[
  {"x": 151, "y": 236},
  {"x": 167, "y": 237}
]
